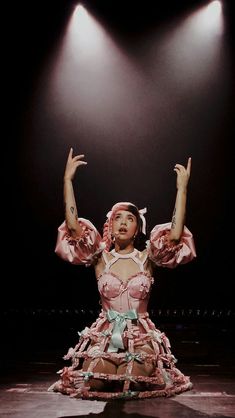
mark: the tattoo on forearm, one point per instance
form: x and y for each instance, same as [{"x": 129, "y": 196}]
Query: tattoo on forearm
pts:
[
  {"x": 73, "y": 211},
  {"x": 173, "y": 221}
]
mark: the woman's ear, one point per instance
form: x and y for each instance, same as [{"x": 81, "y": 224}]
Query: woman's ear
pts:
[{"x": 136, "y": 233}]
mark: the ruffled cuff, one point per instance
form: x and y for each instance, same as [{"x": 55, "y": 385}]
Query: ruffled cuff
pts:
[
  {"x": 167, "y": 254},
  {"x": 83, "y": 250}
]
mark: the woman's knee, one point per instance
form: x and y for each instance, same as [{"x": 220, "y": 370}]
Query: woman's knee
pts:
[{"x": 103, "y": 366}]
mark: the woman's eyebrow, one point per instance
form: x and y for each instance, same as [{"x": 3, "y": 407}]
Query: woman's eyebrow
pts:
[{"x": 128, "y": 215}]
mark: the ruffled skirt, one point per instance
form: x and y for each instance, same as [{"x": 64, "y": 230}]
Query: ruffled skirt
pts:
[{"x": 144, "y": 373}]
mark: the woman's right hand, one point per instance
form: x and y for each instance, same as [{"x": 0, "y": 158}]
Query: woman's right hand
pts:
[{"x": 72, "y": 164}]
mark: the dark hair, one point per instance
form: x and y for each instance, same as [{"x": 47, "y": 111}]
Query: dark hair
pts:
[
  {"x": 134, "y": 210},
  {"x": 140, "y": 239}
]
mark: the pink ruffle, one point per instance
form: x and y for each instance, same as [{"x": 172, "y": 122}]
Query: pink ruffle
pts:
[
  {"x": 165, "y": 254},
  {"x": 165, "y": 380},
  {"x": 82, "y": 250}
]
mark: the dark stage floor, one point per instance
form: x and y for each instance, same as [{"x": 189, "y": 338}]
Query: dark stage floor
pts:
[{"x": 32, "y": 353}]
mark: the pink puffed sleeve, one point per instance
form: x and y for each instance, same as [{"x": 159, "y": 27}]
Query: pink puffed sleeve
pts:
[
  {"x": 165, "y": 254},
  {"x": 82, "y": 250}
]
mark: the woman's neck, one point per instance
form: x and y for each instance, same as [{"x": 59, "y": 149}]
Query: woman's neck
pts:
[{"x": 124, "y": 249}]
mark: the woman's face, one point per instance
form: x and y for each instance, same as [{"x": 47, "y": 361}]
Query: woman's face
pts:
[{"x": 124, "y": 225}]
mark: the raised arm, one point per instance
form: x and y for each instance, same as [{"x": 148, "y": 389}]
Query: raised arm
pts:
[
  {"x": 71, "y": 214},
  {"x": 178, "y": 218}
]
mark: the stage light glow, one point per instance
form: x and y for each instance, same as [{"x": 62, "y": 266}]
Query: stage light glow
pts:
[
  {"x": 83, "y": 30},
  {"x": 215, "y": 8},
  {"x": 209, "y": 19},
  {"x": 92, "y": 78},
  {"x": 97, "y": 89}
]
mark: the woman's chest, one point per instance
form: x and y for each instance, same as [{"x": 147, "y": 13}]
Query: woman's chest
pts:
[
  {"x": 137, "y": 286},
  {"x": 123, "y": 268}
]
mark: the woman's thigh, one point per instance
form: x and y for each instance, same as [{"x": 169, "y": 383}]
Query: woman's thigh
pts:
[{"x": 140, "y": 369}]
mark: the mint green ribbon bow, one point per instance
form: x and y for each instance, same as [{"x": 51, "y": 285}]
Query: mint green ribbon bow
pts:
[
  {"x": 86, "y": 375},
  {"x": 120, "y": 324},
  {"x": 133, "y": 356}
]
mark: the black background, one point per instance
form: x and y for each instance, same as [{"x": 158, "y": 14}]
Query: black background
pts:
[{"x": 33, "y": 164}]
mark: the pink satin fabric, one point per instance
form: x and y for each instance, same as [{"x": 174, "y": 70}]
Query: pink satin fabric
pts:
[
  {"x": 86, "y": 248},
  {"x": 121, "y": 297},
  {"x": 164, "y": 254},
  {"x": 82, "y": 250}
]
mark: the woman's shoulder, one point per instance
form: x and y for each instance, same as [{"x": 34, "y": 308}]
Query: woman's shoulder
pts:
[
  {"x": 144, "y": 257},
  {"x": 143, "y": 254}
]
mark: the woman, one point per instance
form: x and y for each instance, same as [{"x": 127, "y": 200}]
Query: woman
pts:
[{"x": 122, "y": 354}]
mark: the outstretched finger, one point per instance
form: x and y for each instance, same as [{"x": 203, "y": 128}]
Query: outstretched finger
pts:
[
  {"x": 188, "y": 169},
  {"x": 70, "y": 156}
]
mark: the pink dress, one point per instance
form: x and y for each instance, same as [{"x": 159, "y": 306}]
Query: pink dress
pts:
[{"x": 123, "y": 329}]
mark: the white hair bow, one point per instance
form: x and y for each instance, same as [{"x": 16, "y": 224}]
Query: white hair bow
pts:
[{"x": 142, "y": 212}]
